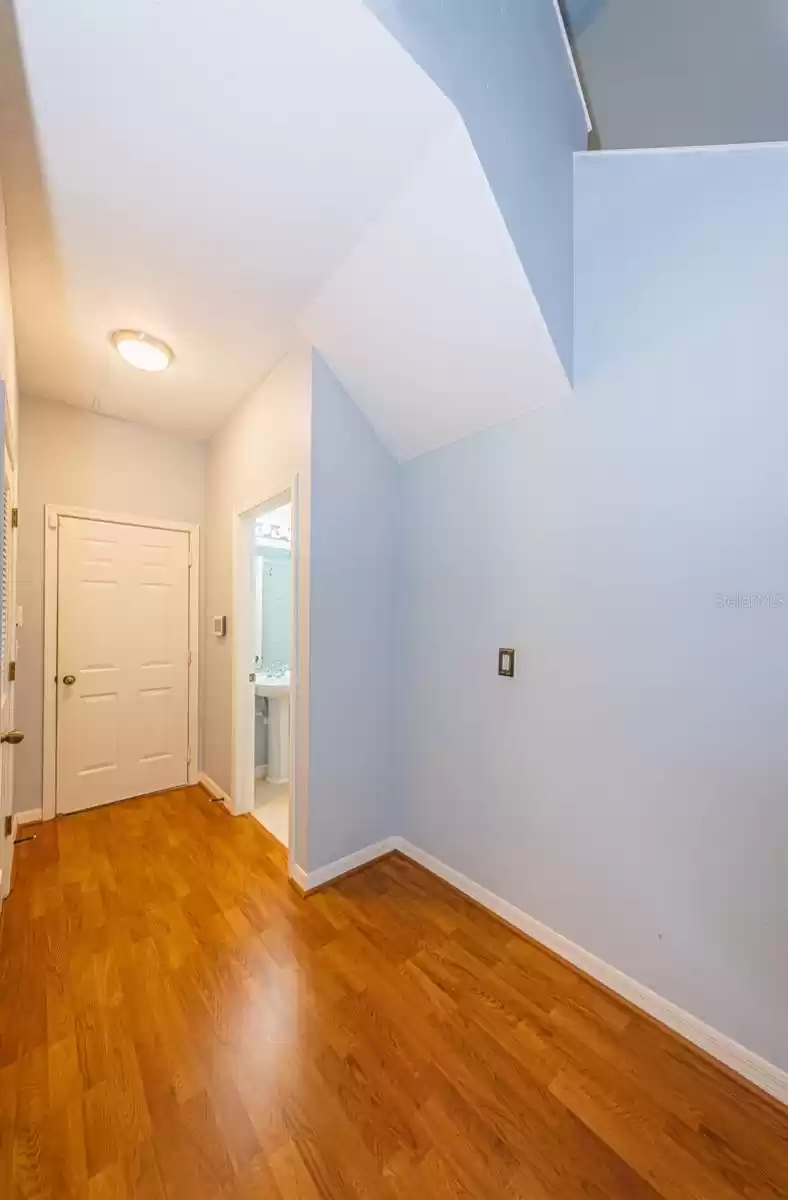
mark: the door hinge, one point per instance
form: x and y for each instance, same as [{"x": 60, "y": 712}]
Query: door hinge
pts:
[
  {"x": 14, "y": 518},
  {"x": 8, "y": 826},
  {"x": 11, "y": 672}
]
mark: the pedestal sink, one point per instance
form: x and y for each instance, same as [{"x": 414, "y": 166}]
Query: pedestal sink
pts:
[
  {"x": 276, "y": 688},
  {"x": 272, "y": 686}
]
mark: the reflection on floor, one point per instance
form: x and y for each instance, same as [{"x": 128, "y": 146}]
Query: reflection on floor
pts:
[
  {"x": 176, "y": 1022},
  {"x": 272, "y": 808}
]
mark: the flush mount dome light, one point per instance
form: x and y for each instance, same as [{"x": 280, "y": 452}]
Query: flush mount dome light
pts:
[{"x": 142, "y": 351}]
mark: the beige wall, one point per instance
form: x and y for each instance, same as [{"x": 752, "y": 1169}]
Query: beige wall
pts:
[
  {"x": 254, "y": 457},
  {"x": 76, "y": 457},
  {"x": 7, "y": 345}
]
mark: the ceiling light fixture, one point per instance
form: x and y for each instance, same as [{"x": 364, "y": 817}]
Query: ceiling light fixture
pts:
[{"x": 142, "y": 351}]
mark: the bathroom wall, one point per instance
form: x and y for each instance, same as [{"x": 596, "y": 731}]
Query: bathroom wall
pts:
[
  {"x": 276, "y": 607},
  {"x": 271, "y": 633},
  {"x": 628, "y": 787},
  {"x": 260, "y": 733}
]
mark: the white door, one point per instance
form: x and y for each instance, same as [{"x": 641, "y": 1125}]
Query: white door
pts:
[
  {"x": 123, "y": 661},
  {"x": 7, "y": 656}
]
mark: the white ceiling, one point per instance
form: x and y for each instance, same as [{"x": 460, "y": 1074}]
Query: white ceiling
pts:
[
  {"x": 430, "y": 321},
  {"x": 196, "y": 170},
  {"x": 228, "y": 176}
]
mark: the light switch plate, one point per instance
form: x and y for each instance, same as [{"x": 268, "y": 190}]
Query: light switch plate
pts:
[{"x": 506, "y": 662}]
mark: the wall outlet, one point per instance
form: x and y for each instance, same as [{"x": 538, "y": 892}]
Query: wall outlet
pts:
[{"x": 506, "y": 662}]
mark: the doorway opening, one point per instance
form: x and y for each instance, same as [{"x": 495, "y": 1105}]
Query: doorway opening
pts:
[{"x": 265, "y": 651}]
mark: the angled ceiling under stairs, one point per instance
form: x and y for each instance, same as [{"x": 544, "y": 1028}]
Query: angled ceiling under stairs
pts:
[{"x": 230, "y": 178}]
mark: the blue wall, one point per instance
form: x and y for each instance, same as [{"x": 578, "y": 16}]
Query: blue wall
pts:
[
  {"x": 354, "y": 783},
  {"x": 505, "y": 67},
  {"x": 629, "y": 787},
  {"x": 579, "y": 14}
]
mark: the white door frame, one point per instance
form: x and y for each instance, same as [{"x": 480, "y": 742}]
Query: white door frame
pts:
[
  {"x": 7, "y": 450},
  {"x": 52, "y": 514},
  {"x": 243, "y": 710}
]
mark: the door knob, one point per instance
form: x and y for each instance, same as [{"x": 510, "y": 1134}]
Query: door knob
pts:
[
  {"x": 13, "y": 737},
  {"x": 69, "y": 680}
]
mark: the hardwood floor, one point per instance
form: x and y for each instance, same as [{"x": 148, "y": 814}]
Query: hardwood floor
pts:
[{"x": 176, "y": 1022}]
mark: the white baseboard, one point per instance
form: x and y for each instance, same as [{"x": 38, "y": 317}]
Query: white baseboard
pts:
[
  {"x": 751, "y": 1066},
  {"x": 29, "y": 816},
  {"x": 764, "y": 1074},
  {"x": 308, "y": 881},
  {"x": 218, "y": 793},
  {"x": 300, "y": 878}
]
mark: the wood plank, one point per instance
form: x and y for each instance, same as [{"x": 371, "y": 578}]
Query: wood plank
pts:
[{"x": 175, "y": 1021}]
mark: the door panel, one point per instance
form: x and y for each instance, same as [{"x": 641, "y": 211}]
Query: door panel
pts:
[
  {"x": 160, "y": 584},
  {"x": 92, "y": 647},
  {"x": 123, "y": 634}
]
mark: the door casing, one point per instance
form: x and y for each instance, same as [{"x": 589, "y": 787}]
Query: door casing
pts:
[
  {"x": 52, "y": 514},
  {"x": 7, "y": 655},
  {"x": 243, "y": 698}
]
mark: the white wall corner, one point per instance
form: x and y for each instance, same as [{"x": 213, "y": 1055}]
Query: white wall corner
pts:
[
  {"x": 212, "y": 787},
  {"x": 29, "y": 816},
  {"x": 309, "y": 881},
  {"x": 299, "y": 877}
]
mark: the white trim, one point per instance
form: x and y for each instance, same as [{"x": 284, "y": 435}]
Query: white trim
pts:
[
  {"x": 573, "y": 64},
  {"x": 309, "y": 880},
  {"x": 764, "y": 1074},
  {"x": 52, "y": 515},
  {"x": 300, "y": 877},
  {"x": 193, "y": 749},
  {"x": 7, "y": 765},
  {"x": 218, "y": 793},
  {"x": 722, "y": 148},
  {"x": 242, "y": 712},
  {"x": 95, "y": 514},
  {"x": 29, "y": 816},
  {"x": 295, "y": 551},
  {"x": 10, "y": 428}
]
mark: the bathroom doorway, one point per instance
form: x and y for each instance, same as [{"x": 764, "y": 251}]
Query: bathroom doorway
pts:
[{"x": 264, "y": 653}]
